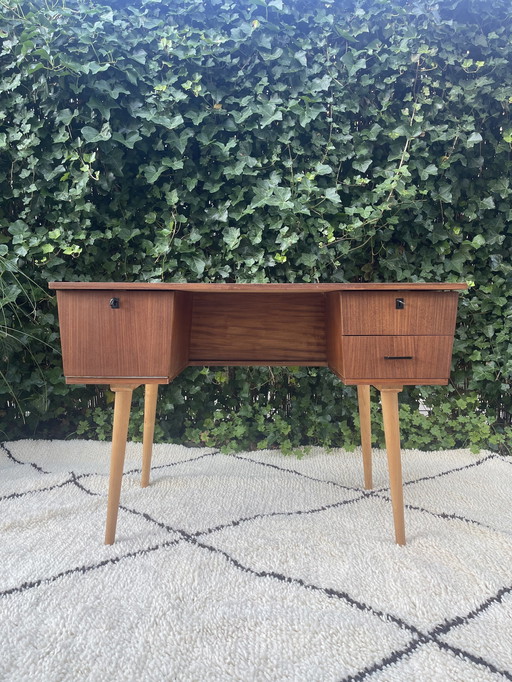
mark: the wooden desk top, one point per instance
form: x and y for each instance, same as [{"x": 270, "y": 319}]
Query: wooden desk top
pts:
[{"x": 262, "y": 288}]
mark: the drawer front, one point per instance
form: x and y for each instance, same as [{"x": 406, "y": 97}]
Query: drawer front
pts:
[
  {"x": 396, "y": 357},
  {"x": 398, "y": 312},
  {"x": 115, "y": 334}
]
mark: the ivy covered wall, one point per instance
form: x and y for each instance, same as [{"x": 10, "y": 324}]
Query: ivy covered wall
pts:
[{"x": 256, "y": 141}]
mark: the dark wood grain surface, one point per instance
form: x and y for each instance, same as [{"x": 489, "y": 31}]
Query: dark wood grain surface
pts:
[
  {"x": 421, "y": 357},
  {"x": 256, "y": 328},
  {"x": 132, "y": 341},
  {"x": 375, "y": 312}
]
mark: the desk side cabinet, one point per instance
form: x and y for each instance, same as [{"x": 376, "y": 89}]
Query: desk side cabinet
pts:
[
  {"x": 403, "y": 337},
  {"x": 123, "y": 336}
]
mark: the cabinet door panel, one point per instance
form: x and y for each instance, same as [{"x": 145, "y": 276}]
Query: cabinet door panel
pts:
[{"x": 101, "y": 341}]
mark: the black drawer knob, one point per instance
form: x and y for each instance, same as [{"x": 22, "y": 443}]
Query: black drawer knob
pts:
[
  {"x": 399, "y": 303},
  {"x": 114, "y": 303}
]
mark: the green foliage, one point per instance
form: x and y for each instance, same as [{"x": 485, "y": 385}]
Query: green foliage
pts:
[
  {"x": 265, "y": 140},
  {"x": 454, "y": 422}
]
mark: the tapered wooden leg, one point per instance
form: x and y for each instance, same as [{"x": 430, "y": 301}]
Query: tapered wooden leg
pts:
[
  {"x": 363, "y": 399},
  {"x": 389, "y": 398},
  {"x": 122, "y": 405},
  {"x": 151, "y": 395}
]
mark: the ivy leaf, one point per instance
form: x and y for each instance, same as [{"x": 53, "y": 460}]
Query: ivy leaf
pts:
[
  {"x": 323, "y": 169},
  {"x": 331, "y": 193},
  {"x": 139, "y": 56},
  {"x": 65, "y": 116},
  {"x": 168, "y": 122},
  {"x": 19, "y": 231},
  {"x": 431, "y": 169},
  {"x": 152, "y": 173},
  {"x": 300, "y": 56},
  {"x": 362, "y": 165},
  {"x": 129, "y": 140},
  {"x": 488, "y": 202},
  {"x": 445, "y": 193},
  {"x": 90, "y": 134},
  {"x": 197, "y": 265},
  {"x": 231, "y": 236},
  {"x": 344, "y": 34},
  {"x": 473, "y": 139},
  {"x": 269, "y": 114}
]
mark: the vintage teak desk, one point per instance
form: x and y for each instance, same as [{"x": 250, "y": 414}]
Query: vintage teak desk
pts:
[{"x": 385, "y": 335}]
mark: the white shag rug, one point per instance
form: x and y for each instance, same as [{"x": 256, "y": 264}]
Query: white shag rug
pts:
[{"x": 253, "y": 567}]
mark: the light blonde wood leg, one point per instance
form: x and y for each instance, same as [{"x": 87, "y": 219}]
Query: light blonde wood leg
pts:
[
  {"x": 363, "y": 400},
  {"x": 389, "y": 398},
  {"x": 150, "y": 398},
  {"x": 122, "y": 406}
]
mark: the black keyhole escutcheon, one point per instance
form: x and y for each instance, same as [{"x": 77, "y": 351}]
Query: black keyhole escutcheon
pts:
[
  {"x": 399, "y": 304},
  {"x": 114, "y": 303}
]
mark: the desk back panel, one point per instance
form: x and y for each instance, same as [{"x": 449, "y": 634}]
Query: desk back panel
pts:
[{"x": 255, "y": 328}]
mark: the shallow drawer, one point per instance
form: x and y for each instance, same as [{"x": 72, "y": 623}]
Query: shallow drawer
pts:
[
  {"x": 396, "y": 357},
  {"x": 398, "y": 312}
]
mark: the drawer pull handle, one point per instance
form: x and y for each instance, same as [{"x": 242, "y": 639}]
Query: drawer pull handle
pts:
[
  {"x": 114, "y": 303},
  {"x": 398, "y": 357}
]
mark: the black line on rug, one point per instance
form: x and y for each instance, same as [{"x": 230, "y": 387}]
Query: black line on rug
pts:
[
  {"x": 374, "y": 490},
  {"x": 472, "y": 658},
  {"x": 434, "y": 637},
  {"x": 76, "y": 480},
  {"x": 421, "y": 637},
  {"x": 235, "y": 522},
  {"x": 299, "y": 512},
  {"x": 451, "y": 471},
  {"x": 175, "y": 464},
  {"x": 13, "y": 496},
  {"x": 330, "y": 592},
  {"x": 17, "y": 461},
  {"x": 327, "y": 591},
  {"x": 392, "y": 658},
  {"x": 457, "y": 621},
  {"x": 298, "y": 473},
  {"x": 87, "y": 568},
  {"x": 398, "y": 655},
  {"x": 442, "y": 515}
]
